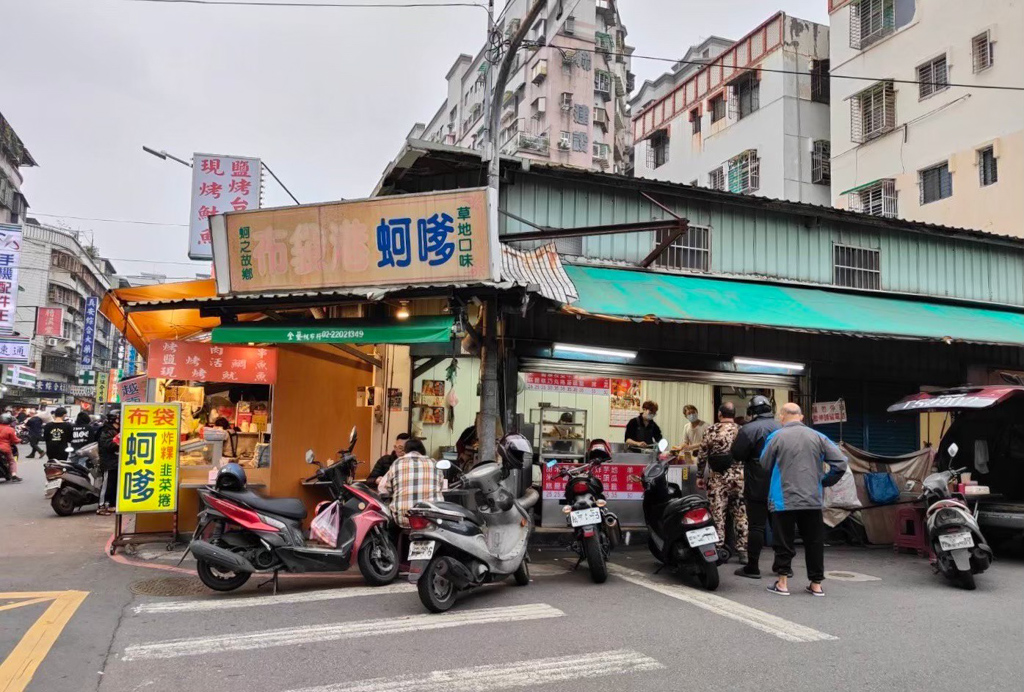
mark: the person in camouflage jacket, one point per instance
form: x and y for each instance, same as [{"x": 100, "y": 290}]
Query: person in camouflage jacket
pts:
[{"x": 725, "y": 490}]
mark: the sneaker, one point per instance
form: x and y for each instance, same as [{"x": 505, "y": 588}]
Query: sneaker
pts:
[
  {"x": 742, "y": 572},
  {"x": 15, "y": 479}
]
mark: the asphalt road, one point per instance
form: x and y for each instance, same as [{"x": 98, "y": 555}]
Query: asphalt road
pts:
[{"x": 887, "y": 623}]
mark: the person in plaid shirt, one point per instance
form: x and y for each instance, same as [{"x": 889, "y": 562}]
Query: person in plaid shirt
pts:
[{"x": 413, "y": 478}]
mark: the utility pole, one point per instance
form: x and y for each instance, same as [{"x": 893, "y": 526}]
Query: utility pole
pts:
[{"x": 488, "y": 351}]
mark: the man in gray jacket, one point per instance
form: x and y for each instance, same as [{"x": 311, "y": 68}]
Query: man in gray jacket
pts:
[{"x": 794, "y": 460}]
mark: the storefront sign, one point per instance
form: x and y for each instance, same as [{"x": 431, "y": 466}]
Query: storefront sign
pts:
[
  {"x": 415, "y": 330},
  {"x": 219, "y": 184},
  {"x": 823, "y": 412},
  {"x": 14, "y": 350},
  {"x": 131, "y": 365},
  {"x": 573, "y": 384},
  {"x": 132, "y": 390},
  {"x": 206, "y": 362},
  {"x": 10, "y": 260},
  {"x": 148, "y": 458},
  {"x": 50, "y": 322},
  {"x": 437, "y": 238},
  {"x": 51, "y": 387},
  {"x": 102, "y": 386},
  {"x": 625, "y": 402},
  {"x": 78, "y": 390},
  {"x": 113, "y": 377},
  {"x": 614, "y": 477},
  {"x": 20, "y": 376},
  {"x": 89, "y": 331}
]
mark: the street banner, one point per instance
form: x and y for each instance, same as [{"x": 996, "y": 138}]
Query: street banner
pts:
[
  {"x": 148, "y": 458},
  {"x": 20, "y": 376},
  {"x": 205, "y": 362},
  {"x": 219, "y": 184},
  {"x": 132, "y": 390},
  {"x": 432, "y": 239},
  {"x": 415, "y": 330},
  {"x": 89, "y": 330},
  {"x": 823, "y": 412},
  {"x": 614, "y": 478},
  {"x": 572, "y": 384},
  {"x": 50, "y": 322},
  {"x": 14, "y": 349},
  {"x": 625, "y": 401},
  {"x": 10, "y": 260},
  {"x": 102, "y": 385}
]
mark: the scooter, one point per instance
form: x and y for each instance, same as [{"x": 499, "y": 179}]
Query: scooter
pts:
[
  {"x": 595, "y": 528},
  {"x": 74, "y": 483},
  {"x": 252, "y": 534},
  {"x": 454, "y": 549},
  {"x": 953, "y": 532},
  {"x": 5, "y": 467},
  {"x": 681, "y": 529}
]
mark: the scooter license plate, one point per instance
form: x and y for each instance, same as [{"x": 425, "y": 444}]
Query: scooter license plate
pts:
[
  {"x": 702, "y": 536},
  {"x": 583, "y": 517},
  {"x": 53, "y": 485},
  {"x": 421, "y": 550},
  {"x": 954, "y": 541}
]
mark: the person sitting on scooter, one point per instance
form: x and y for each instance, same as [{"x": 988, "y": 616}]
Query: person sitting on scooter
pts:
[
  {"x": 9, "y": 445},
  {"x": 414, "y": 477},
  {"x": 385, "y": 462}
]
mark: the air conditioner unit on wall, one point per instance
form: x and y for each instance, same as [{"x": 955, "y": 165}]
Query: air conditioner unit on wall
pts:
[{"x": 52, "y": 341}]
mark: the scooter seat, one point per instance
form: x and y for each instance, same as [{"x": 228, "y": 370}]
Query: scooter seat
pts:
[
  {"x": 469, "y": 514},
  {"x": 290, "y": 507}
]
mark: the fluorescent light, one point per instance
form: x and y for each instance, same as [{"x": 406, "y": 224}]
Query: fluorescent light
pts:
[
  {"x": 759, "y": 363},
  {"x": 595, "y": 351}
]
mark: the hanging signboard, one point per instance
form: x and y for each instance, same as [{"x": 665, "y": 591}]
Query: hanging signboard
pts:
[
  {"x": 148, "y": 458},
  {"x": 436, "y": 238},
  {"x": 132, "y": 390},
  {"x": 823, "y": 412},
  {"x": 102, "y": 386},
  {"x": 219, "y": 184},
  {"x": 10, "y": 260},
  {"x": 572, "y": 384},
  {"x": 14, "y": 350},
  {"x": 50, "y": 322},
  {"x": 20, "y": 376},
  {"x": 89, "y": 331},
  {"x": 205, "y": 362},
  {"x": 130, "y": 363}
]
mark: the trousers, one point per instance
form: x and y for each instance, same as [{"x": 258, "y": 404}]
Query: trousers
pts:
[
  {"x": 757, "y": 517},
  {"x": 110, "y": 488},
  {"x": 812, "y": 530},
  {"x": 725, "y": 495}
]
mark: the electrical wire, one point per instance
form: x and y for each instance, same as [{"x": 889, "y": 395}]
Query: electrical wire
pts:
[
  {"x": 333, "y": 5},
  {"x": 89, "y": 218}
]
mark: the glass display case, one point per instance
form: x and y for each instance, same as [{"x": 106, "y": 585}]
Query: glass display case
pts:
[{"x": 562, "y": 432}]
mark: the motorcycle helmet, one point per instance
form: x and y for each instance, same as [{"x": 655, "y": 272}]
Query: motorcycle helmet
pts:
[
  {"x": 231, "y": 477},
  {"x": 515, "y": 451},
  {"x": 7, "y": 419},
  {"x": 113, "y": 416},
  {"x": 599, "y": 451},
  {"x": 759, "y": 404}
]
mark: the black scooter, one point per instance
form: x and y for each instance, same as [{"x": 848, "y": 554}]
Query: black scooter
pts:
[{"x": 681, "y": 529}]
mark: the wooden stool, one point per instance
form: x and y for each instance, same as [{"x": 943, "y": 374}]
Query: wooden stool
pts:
[{"x": 910, "y": 531}]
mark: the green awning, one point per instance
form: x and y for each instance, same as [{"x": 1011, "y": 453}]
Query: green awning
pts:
[
  {"x": 639, "y": 294},
  {"x": 415, "y": 330}
]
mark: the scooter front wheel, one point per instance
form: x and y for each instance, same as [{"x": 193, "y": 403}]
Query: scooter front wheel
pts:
[
  {"x": 437, "y": 592},
  {"x": 378, "y": 559}
]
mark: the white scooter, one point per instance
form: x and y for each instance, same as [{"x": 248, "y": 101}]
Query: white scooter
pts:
[{"x": 74, "y": 483}]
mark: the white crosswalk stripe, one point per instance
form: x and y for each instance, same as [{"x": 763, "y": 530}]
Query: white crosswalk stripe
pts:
[
  {"x": 758, "y": 619},
  {"x": 292, "y": 636},
  {"x": 519, "y": 674},
  {"x": 249, "y": 601}
]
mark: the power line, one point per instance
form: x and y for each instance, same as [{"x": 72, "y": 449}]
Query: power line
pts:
[
  {"x": 334, "y": 5},
  {"x": 89, "y": 218}
]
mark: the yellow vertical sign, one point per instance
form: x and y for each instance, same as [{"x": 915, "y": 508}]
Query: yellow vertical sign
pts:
[
  {"x": 102, "y": 384},
  {"x": 148, "y": 460}
]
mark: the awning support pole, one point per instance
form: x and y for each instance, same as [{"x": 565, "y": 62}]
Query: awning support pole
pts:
[{"x": 489, "y": 384}]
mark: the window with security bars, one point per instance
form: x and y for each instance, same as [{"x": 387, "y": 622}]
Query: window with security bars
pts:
[
  {"x": 988, "y": 171},
  {"x": 935, "y": 183},
  {"x": 856, "y": 267},
  {"x": 932, "y": 77},
  {"x": 716, "y": 179},
  {"x": 745, "y": 96},
  {"x": 691, "y": 250},
  {"x": 871, "y": 21},
  {"x": 820, "y": 86},
  {"x": 657, "y": 149},
  {"x": 873, "y": 112},
  {"x": 877, "y": 199},
  {"x": 717, "y": 107},
  {"x": 821, "y": 162},
  {"x": 982, "y": 52},
  {"x": 744, "y": 172}
]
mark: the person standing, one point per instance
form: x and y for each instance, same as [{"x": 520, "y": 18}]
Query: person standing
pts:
[
  {"x": 34, "y": 426},
  {"x": 413, "y": 478},
  {"x": 725, "y": 488},
  {"x": 108, "y": 448},
  {"x": 693, "y": 431},
  {"x": 81, "y": 432},
  {"x": 385, "y": 462},
  {"x": 9, "y": 445},
  {"x": 747, "y": 449},
  {"x": 642, "y": 431},
  {"x": 792, "y": 458},
  {"x": 57, "y": 435}
]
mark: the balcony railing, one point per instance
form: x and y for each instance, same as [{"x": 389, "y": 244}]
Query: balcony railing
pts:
[{"x": 522, "y": 141}]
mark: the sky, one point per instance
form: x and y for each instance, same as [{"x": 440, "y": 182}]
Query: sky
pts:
[{"x": 324, "y": 96}]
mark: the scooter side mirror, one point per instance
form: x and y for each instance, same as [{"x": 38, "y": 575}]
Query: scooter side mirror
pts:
[
  {"x": 551, "y": 463},
  {"x": 353, "y": 436},
  {"x": 952, "y": 450},
  {"x": 310, "y": 457},
  {"x": 443, "y": 465},
  {"x": 662, "y": 444}
]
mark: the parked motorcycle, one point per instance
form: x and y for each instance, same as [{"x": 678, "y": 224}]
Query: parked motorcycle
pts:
[
  {"x": 953, "y": 532},
  {"x": 252, "y": 534},
  {"x": 5, "y": 468},
  {"x": 74, "y": 483},
  {"x": 595, "y": 528},
  {"x": 454, "y": 548},
  {"x": 681, "y": 529}
]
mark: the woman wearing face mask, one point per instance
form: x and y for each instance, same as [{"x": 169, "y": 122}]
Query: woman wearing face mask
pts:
[{"x": 642, "y": 431}]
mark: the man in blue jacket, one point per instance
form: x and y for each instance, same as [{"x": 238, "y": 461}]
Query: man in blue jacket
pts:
[{"x": 794, "y": 459}]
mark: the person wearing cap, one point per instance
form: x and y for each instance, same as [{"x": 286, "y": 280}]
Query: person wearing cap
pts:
[
  {"x": 747, "y": 449},
  {"x": 9, "y": 445},
  {"x": 108, "y": 449}
]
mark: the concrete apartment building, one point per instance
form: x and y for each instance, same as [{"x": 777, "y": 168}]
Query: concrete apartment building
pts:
[
  {"x": 711, "y": 123},
  {"x": 565, "y": 99},
  {"x": 13, "y": 155},
  {"x": 929, "y": 151}
]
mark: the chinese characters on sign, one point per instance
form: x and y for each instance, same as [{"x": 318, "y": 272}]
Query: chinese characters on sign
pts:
[
  {"x": 89, "y": 331},
  {"x": 614, "y": 478},
  {"x": 14, "y": 350},
  {"x": 102, "y": 385},
  {"x": 10, "y": 260},
  {"x": 206, "y": 362},
  {"x": 132, "y": 390},
  {"x": 828, "y": 412},
  {"x": 219, "y": 184},
  {"x": 50, "y": 322},
  {"x": 574, "y": 384},
  {"x": 404, "y": 239},
  {"x": 148, "y": 459},
  {"x": 51, "y": 387}
]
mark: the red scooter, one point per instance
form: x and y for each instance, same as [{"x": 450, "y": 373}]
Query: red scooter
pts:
[{"x": 253, "y": 534}]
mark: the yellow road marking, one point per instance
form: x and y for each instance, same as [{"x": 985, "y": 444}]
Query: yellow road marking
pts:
[
  {"x": 31, "y": 601},
  {"x": 19, "y": 667}
]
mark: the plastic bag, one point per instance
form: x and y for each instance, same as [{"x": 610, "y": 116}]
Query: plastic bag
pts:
[
  {"x": 324, "y": 527},
  {"x": 843, "y": 493},
  {"x": 882, "y": 489}
]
